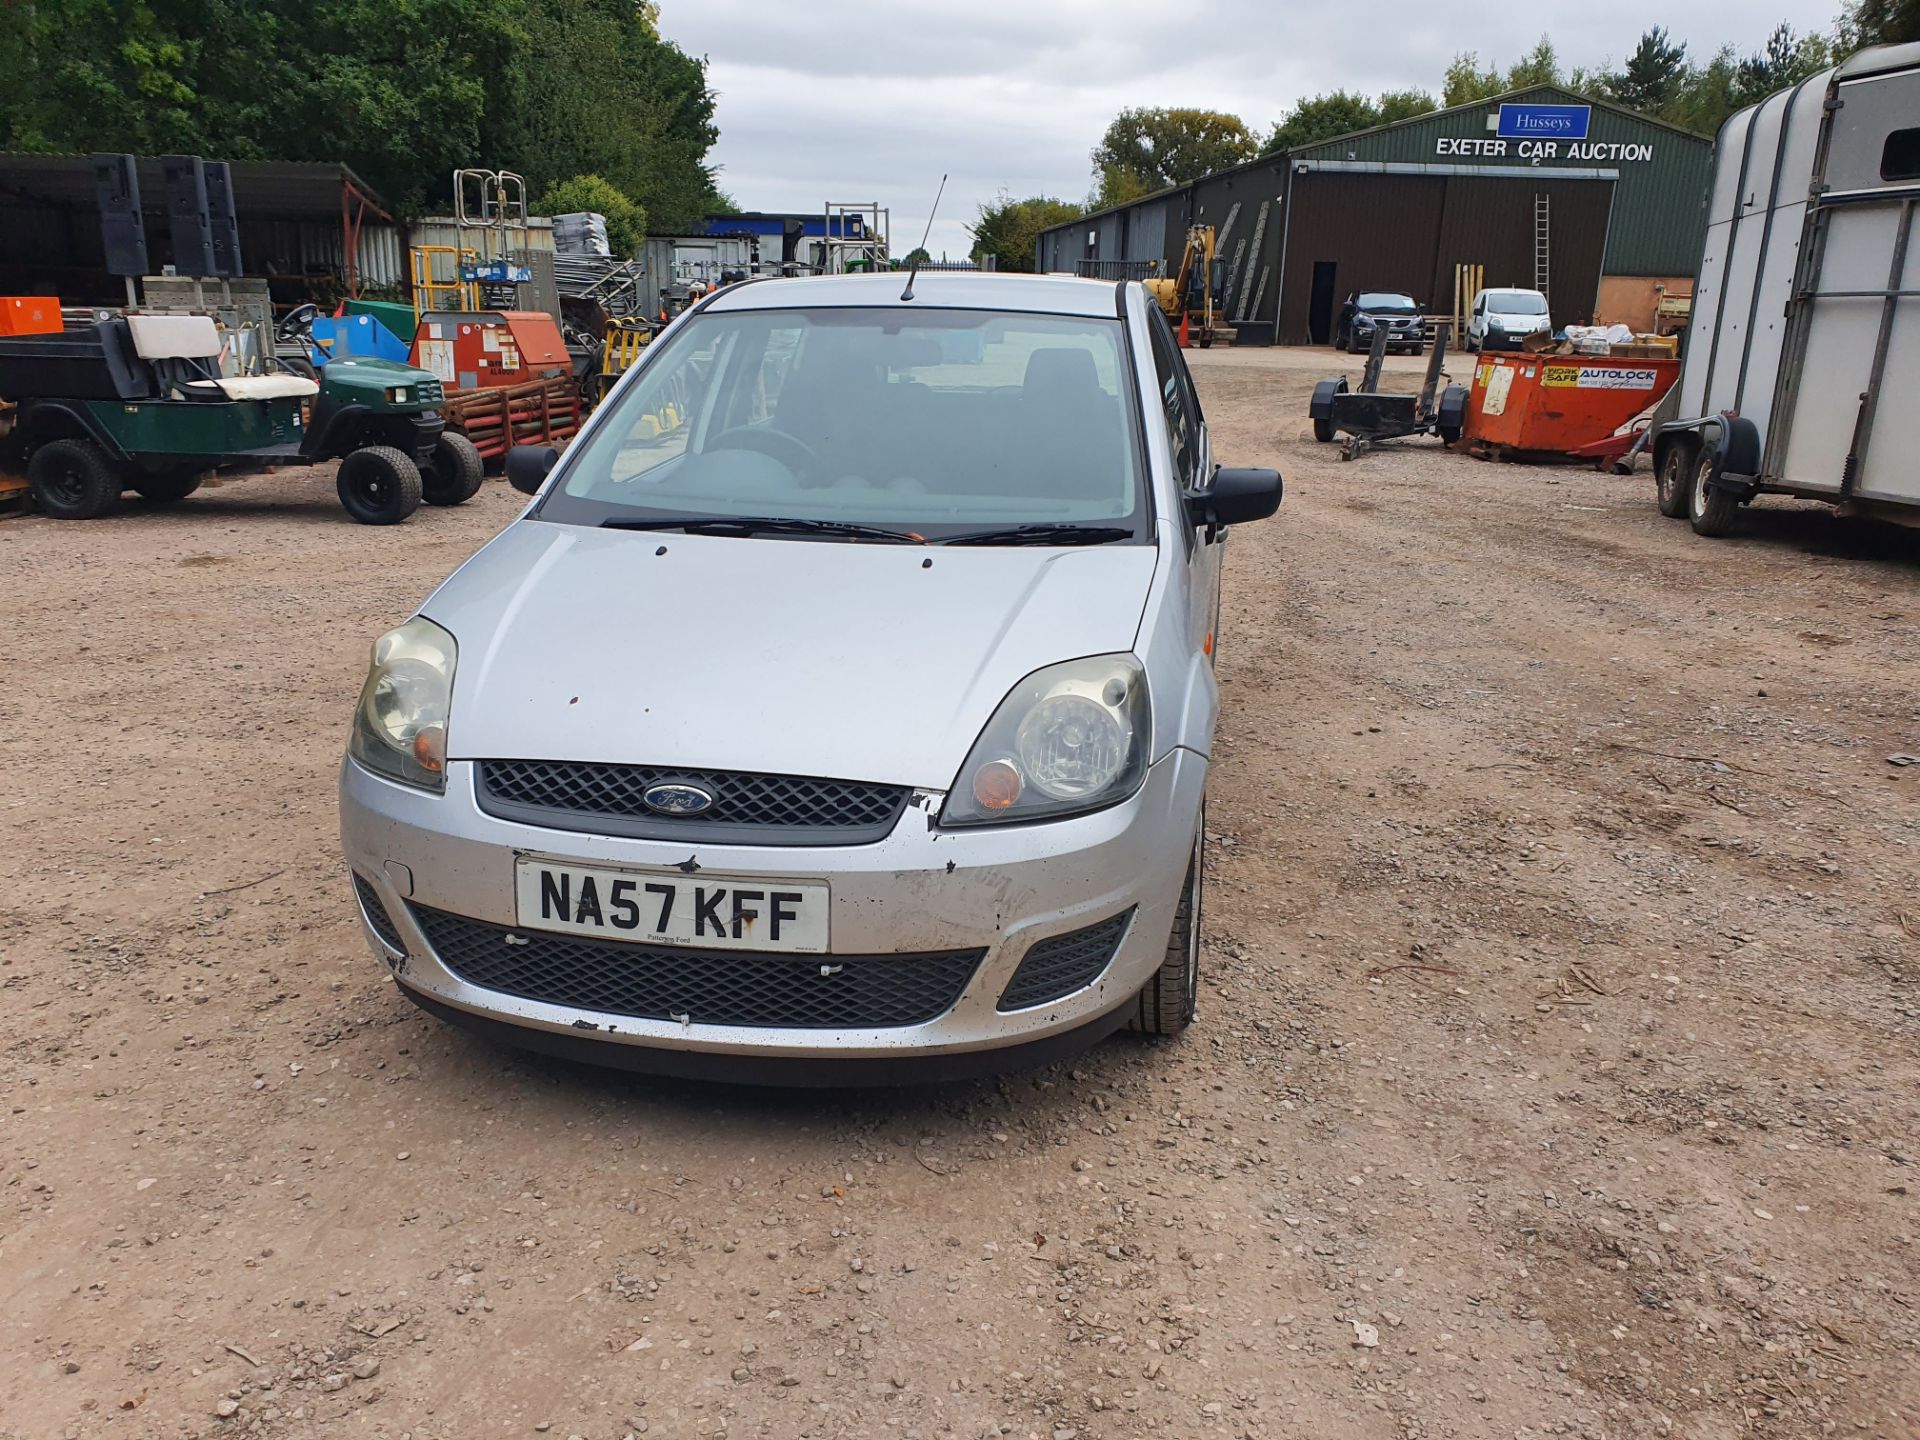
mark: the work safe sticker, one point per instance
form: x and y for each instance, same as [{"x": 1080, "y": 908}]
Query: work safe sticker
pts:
[{"x": 1597, "y": 377}]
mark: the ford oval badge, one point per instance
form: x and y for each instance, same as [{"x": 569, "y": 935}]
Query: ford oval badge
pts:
[{"x": 673, "y": 798}]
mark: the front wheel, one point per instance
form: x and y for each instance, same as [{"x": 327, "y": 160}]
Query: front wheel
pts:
[
  {"x": 74, "y": 480},
  {"x": 379, "y": 485},
  {"x": 1168, "y": 1001},
  {"x": 456, "y": 473},
  {"x": 1712, "y": 511}
]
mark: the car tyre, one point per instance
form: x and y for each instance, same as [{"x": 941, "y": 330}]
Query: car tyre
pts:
[
  {"x": 1168, "y": 1001},
  {"x": 379, "y": 485},
  {"x": 1674, "y": 487},
  {"x": 456, "y": 472},
  {"x": 168, "y": 487},
  {"x": 74, "y": 480},
  {"x": 1712, "y": 511}
]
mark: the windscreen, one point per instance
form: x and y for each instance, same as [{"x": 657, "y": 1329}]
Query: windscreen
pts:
[
  {"x": 1516, "y": 302},
  {"x": 933, "y": 422},
  {"x": 1389, "y": 304}
]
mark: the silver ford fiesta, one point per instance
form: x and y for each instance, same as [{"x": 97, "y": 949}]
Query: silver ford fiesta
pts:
[{"x": 839, "y": 708}]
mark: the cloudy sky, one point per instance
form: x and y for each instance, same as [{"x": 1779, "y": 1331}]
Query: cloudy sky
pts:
[{"x": 873, "y": 99}]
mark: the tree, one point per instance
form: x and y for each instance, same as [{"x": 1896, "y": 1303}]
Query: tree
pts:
[
  {"x": 595, "y": 88},
  {"x": 1009, "y": 229},
  {"x": 1322, "y": 118},
  {"x": 918, "y": 256},
  {"x": 403, "y": 91},
  {"x": 626, "y": 221},
  {"x": 1397, "y": 105},
  {"x": 1539, "y": 66},
  {"x": 1465, "y": 82},
  {"x": 1154, "y": 149},
  {"x": 1654, "y": 76},
  {"x": 1879, "y": 22}
]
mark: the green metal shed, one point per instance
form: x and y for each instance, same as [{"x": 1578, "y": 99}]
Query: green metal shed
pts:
[{"x": 1539, "y": 188}]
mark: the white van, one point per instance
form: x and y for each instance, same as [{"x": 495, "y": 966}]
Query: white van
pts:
[{"x": 1503, "y": 318}]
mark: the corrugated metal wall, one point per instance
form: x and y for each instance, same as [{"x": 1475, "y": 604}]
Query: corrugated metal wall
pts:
[
  {"x": 1380, "y": 232},
  {"x": 1407, "y": 232},
  {"x": 1659, "y": 213}
]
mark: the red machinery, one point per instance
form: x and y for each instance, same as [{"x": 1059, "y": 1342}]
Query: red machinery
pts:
[{"x": 508, "y": 377}]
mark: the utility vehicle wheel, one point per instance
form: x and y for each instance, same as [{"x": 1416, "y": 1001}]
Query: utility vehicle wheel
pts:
[
  {"x": 379, "y": 485},
  {"x": 167, "y": 488},
  {"x": 1712, "y": 511},
  {"x": 74, "y": 480},
  {"x": 1167, "y": 1003},
  {"x": 456, "y": 473},
  {"x": 1676, "y": 479}
]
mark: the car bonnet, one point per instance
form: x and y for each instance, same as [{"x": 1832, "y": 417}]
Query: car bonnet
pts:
[{"x": 849, "y": 661}]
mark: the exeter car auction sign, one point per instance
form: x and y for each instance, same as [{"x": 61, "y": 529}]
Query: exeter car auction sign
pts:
[{"x": 1537, "y": 133}]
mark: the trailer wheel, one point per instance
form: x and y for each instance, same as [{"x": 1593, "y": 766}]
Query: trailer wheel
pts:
[
  {"x": 379, "y": 485},
  {"x": 74, "y": 480},
  {"x": 1712, "y": 511},
  {"x": 168, "y": 487},
  {"x": 456, "y": 473},
  {"x": 1675, "y": 485}
]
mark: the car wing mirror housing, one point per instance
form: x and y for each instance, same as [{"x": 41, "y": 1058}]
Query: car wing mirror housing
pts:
[
  {"x": 1235, "y": 496},
  {"x": 528, "y": 466}
]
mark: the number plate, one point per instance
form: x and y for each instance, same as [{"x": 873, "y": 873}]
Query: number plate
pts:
[{"x": 714, "y": 912}]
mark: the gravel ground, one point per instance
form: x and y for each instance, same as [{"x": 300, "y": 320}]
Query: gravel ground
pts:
[{"x": 1555, "y": 1074}]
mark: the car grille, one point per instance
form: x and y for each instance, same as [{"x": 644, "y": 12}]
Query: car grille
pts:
[
  {"x": 377, "y": 916},
  {"x": 748, "y": 808},
  {"x": 701, "y": 987},
  {"x": 1064, "y": 964}
]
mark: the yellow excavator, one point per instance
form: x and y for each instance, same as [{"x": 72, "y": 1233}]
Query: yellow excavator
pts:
[{"x": 1193, "y": 298}]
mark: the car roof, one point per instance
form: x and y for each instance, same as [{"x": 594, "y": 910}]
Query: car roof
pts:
[{"x": 941, "y": 290}]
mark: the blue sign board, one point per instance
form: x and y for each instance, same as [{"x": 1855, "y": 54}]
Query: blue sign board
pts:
[{"x": 1544, "y": 122}]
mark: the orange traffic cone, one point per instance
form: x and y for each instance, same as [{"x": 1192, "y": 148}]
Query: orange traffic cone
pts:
[{"x": 1185, "y": 339}]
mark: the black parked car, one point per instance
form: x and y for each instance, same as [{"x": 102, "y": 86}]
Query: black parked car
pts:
[{"x": 1363, "y": 312}]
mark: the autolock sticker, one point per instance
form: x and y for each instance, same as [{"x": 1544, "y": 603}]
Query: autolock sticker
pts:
[{"x": 1598, "y": 377}]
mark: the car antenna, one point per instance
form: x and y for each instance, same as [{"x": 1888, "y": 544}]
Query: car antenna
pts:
[{"x": 913, "y": 274}]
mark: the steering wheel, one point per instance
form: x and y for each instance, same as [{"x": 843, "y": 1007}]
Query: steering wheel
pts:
[
  {"x": 297, "y": 322},
  {"x": 798, "y": 456}
]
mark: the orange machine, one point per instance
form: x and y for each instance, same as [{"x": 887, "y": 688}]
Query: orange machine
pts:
[
  {"x": 29, "y": 315},
  {"x": 507, "y": 373},
  {"x": 479, "y": 349},
  {"x": 1560, "y": 404}
]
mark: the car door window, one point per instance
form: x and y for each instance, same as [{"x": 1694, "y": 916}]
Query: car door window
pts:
[{"x": 1177, "y": 402}]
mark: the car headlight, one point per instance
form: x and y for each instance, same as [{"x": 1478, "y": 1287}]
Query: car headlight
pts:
[
  {"x": 400, "y": 724},
  {"x": 398, "y": 394},
  {"x": 1070, "y": 738}
]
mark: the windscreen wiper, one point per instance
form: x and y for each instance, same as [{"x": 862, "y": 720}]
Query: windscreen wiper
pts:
[
  {"x": 765, "y": 525},
  {"x": 1053, "y": 534}
]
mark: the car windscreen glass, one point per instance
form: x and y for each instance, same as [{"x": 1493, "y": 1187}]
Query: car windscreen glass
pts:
[
  {"x": 1388, "y": 304},
  {"x": 932, "y": 422},
  {"x": 1516, "y": 302}
]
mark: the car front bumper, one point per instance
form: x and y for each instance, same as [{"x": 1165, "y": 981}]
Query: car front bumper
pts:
[
  {"x": 1000, "y": 889},
  {"x": 1396, "y": 339}
]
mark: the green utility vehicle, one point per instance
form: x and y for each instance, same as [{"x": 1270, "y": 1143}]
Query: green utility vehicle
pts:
[{"x": 138, "y": 403}]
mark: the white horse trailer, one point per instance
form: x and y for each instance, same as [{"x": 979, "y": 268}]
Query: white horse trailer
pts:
[{"x": 1802, "y": 369}]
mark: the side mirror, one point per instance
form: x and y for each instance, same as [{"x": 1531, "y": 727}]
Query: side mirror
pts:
[
  {"x": 527, "y": 467},
  {"x": 1235, "y": 497}
]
